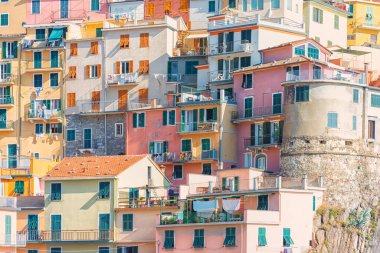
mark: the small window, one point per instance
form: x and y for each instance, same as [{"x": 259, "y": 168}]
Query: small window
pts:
[
  {"x": 169, "y": 239},
  {"x": 168, "y": 118},
  {"x": 206, "y": 144},
  {"x": 119, "y": 130},
  {"x": 206, "y": 168},
  {"x": 93, "y": 71},
  {"x": 53, "y": 128},
  {"x": 39, "y": 128},
  {"x": 289, "y": 4},
  {"x": 211, "y": 6},
  {"x": 314, "y": 203},
  {"x": 287, "y": 239},
  {"x": 371, "y": 129},
  {"x": 95, "y": 5},
  {"x": 332, "y": 120},
  {"x": 302, "y": 93},
  {"x": 300, "y": 50},
  {"x": 336, "y": 22},
  {"x": 19, "y": 187},
  {"x": 317, "y": 72},
  {"x": 375, "y": 100},
  {"x": 35, "y": 6},
  {"x": 36, "y": 155},
  {"x": 105, "y": 250},
  {"x": 4, "y": 19},
  {"x": 247, "y": 81},
  {"x": 275, "y": 4},
  {"x": 354, "y": 123},
  {"x": 317, "y": 15},
  {"x": 104, "y": 190},
  {"x": 262, "y": 202},
  {"x": 37, "y": 81},
  {"x": 257, "y": 4},
  {"x": 262, "y": 237},
  {"x": 247, "y": 160},
  {"x": 73, "y": 49},
  {"x": 186, "y": 145},
  {"x": 150, "y": 9},
  {"x": 127, "y": 249},
  {"x": 245, "y": 61},
  {"x": 70, "y": 135},
  {"x": 56, "y": 250},
  {"x": 55, "y": 191},
  {"x": 144, "y": 39},
  {"x": 40, "y": 34},
  {"x": 312, "y": 52},
  {"x": 356, "y": 96},
  {"x": 94, "y": 47},
  {"x": 261, "y": 162},
  {"x": 99, "y": 32},
  {"x": 71, "y": 99},
  {"x": 124, "y": 41},
  {"x": 54, "y": 82},
  {"x": 177, "y": 172},
  {"x": 32, "y": 251},
  {"x": 230, "y": 239},
  {"x": 127, "y": 222},
  {"x": 199, "y": 238},
  {"x": 293, "y": 73},
  {"x": 138, "y": 120}
]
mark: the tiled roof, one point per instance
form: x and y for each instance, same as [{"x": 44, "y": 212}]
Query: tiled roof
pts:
[
  {"x": 93, "y": 166},
  {"x": 296, "y": 42}
]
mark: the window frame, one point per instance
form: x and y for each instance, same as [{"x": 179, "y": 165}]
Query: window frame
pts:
[
  {"x": 50, "y": 75},
  {"x": 34, "y": 80},
  {"x": 91, "y": 7},
  {"x": 332, "y": 120},
  {"x": 127, "y": 229},
  {"x": 35, "y": 129},
  {"x": 122, "y": 129},
  {"x": 174, "y": 172},
  {"x": 51, "y": 192},
  {"x": 1, "y": 24},
  {"x": 67, "y": 135},
  {"x": 302, "y": 99},
  {"x": 100, "y": 195}
]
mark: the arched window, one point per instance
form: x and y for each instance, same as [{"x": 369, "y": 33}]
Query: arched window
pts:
[{"x": 261, "y": 162}]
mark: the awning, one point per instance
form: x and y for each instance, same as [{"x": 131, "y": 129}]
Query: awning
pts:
[
  {"x": 197, "y": 36},
  {"x": 56, "y": 34}
]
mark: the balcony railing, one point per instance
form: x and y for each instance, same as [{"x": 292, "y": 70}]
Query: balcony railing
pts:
[
  {"x": 45, "y": 114},
  {"x": 105, "y": 235},
  {"x": 143, "y": 203},
  {"x": 44, "y": 64},
  {"x": 12, "y": 240},
  {"x": 261, "y": 141},
  {"x": 9, "y": 202},
  {"x": 185, "y": 156},
  {"x": 174, "y": 77},
  {"x": 231, "y": 47},
  {"x": 185, "y": 51},
  {"x": 7, "y": 101},
  {"x": 22, "y": 163},
  {"x": 6, "y": 78},
  {"x": 197, "y": 127},
  {"x": 316, "y": 75},
  {"x": 70, "y": 14},
  {"x": 114, "y": 106},
  {"x": 42, "y": 44},
  {"x": 220, "y": 76},
  {"x": 257, "y": 112},
  {"x": 122, "y": 79},
  {"x": 8, "y": 124}
]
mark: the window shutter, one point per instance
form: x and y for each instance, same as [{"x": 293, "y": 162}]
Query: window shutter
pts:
[
  {"x": 8, "y": 68},
  {"x": 165, "y": 118},
  {"x": 165, "y": 146},
  {"x": 88, "y": 71},
  {"x": 214, "y": 114},
  {"x": 134, "y": 120},
  {"x": 47, "y": 130},
  {"x": 99, "y": 70},
  {"x": 281, "y": 127},
  {"x": 266, "y": 133},
  {"x": 117, "y": 67},
  {"x": 151, "y": 147},
  {"x": 141, "y": 67},
  {"x": 130, "y": 66},
  {"x": 236, "y": 183},
  {"x": 14, "y": 47},
  {"x": 48, "y": 104},
  {"x": 3, "y": 51},
  {"x": 201, "y": 115},
  {"x": 172, "y": 117},
  {"x": 59, "y": 127},
  {"x": 253, "y": 133},
  {"x": 224, "y": 183},
  {"x": 142, "y": 119},
  {"x": 146, "y": 67},
  {"x": 8, "y": 91}
]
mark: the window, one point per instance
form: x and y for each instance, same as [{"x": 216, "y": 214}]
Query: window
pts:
[
  {"x": 9, "y": 50},
  {"x": 356, "y": 96},
  {"x": 275, "y": 4},
  {"x": 247, "y": 81},
  {"x": 190, "y": 67},
  {"x": 336, "y": 22},
  {"x": 72, "y": 72},
  {"x": 199, "y": 238},
  {"x": 186, "y": 145},
  {"x": 257, "y": 5},
  {"x": 317, "y": 39},
  {"x": 317, "y": 72},
  {"x": 302, "y": 93},
  {"x": 371, "y": 129},
  {"x": 95, "y": 5},
  {"x": 247, "y": 160},
  {"x": 246, "y": 36},
  {"x": 73, "y": 49},
  {"x": 168, "y": 118},
  {"x": 35, "y": 6},
  {"x": 37, "y": 80},
  {"x": 293, "y": 73},
  {"x": 93, "y": 71},
  {"x": 206, "y": 144},
  {"x": 206, "y": 168},
  {"x": 39, "y": 128},
  {"x": 138, "y": 120},
  {"x": 119, "y": 130},
  {"x": 54, "y": 80},
  {"x": 125, "y": 67},
  {"x": 71, "y": 102},
  {"x": 87, "y": 138},
  {"x": 36, "y": 155},
  {"x": 230, "y": 239},
  {"x": 167, "y": 8},
  {"x": 262, "y": 202},
  {"x": 354, "y": 123},
  {"x": 375, "y": 100},
  {"x": 98, "y": 32},
  {"x": 169, "y": 239},
  {"x": 19, "y": 187},
  {"x": 94, "y": 47},
  {"x": 124, "y": 41},
  {"x": 127, "y": 249},
  {"x": 4, "y": 19},
  {"x": 208, "y": 115},
  {"x": 317, "y": 15},
  {"x": 55, "y": 250},
  {"x": 150, "y": 9},
  {"x": 55, "y": 191},
  {"x": 32, "y": 251},
  {"x": 300, "y": 50},
  {"x": 289, "y": 5},
  {"x": 177, "y": 172},
  {"x": 144, "y": 67},
  {"x": 231, "y": 3},
  {"x": 245, "y": 61},
  {"x": 104, "y": 250},
  {"x": 287, "y": 239},
  {"x": 184, "y": 5},
  {"x": 40, "y": 33},
  {"x": 261, "y": 162},
  {"x": 70, "y": 135},
  {"x": 373, "y": 38},
  {"x": 53, "y": 128},
  {"x": 312, "y": 52},
  {"x": 144, "y": 39},
  {"x": 369, "y": 15},
  {"x": 314, "y": 203},
  {"x": 262, "y": 237},
  {"x": 158, "y": 147},
  {"x": 332, "y": 120},
  {"x": 104, "y": 190},
  {"x": 351, "y": 37},
  {"x": 351, "y": 8},
  {"x": 127, "y": 222},
  {"x": 211, "y": 6}
]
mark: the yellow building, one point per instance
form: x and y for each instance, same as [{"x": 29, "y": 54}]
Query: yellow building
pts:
[{"x": 363, "y": 25}]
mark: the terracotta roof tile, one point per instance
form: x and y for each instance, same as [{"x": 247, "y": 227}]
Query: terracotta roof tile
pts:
[{"x": 93, "y": 166}]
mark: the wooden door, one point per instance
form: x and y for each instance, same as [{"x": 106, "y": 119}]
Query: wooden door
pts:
[
  {"x": 122, "y": 100},
  {"x": 95, "y": 98}
]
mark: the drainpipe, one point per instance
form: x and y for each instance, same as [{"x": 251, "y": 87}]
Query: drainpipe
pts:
[
  {"x": 63, "y": 104},
  {"x": 105, "y": 136},
  {"x": 19, "y": 100},
  {"x": 365, "y": 90},
  {"x": 105, "y": 93},
  {"x": 221, "y": 119}
]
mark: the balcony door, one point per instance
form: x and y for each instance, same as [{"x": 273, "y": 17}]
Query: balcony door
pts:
[
  {"x": 189, "y": 120},
  {"x": 12, "y": 155},
  {"x": 122, "y": 100},
  {"x": 3, "y": 118},
  {"x": 87, "y": 138},
  {"x": 56, "y": 227},
  {"x": 104, "y": 226},
  {"x": 32, "y": 227},
  {"x": 95, "y": 99},
  {"x": 64, "y": 11},
  {"x": 277, "y": 103}
]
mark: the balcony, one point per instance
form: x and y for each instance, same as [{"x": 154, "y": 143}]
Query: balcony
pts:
[
  {"x": 174, "y": 78},
  {"x": 240, "y": 48},
  {"x": 60, "y": 236},
  {"x": 12, "y": 240},
  {"x": 44, "y": 65},
  {"x": 6, "y": 102},
  {"x": 190, "y": 51},
  {"x": 116, "y": 80},
  {"x": 220, "y": 76},
  {"x": 45, "y": 115},
  {"x": 108, "y": 107},
  {"x": 68, "y": 15},
  {"x": 88, "y": 146},
  {"x": 8, "y": 125},
  {"x": 197, "y": 127},
  {"x": 323, "y": 76},
  {"x": 270, "y": 140},
  {"x": 144, "y": 203},
  {"x": 8, "y": 202},
  {"x": 43, "y": 44},
  {"x": 257, "y": 112},
  {"x": 15, "y": 165},
  {"x": 185, "y": 156},
  {"x": 6, "y": 79}
]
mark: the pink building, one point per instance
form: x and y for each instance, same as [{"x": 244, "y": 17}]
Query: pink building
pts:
[
  {"x": 260, "y": 97},
  {"x": 44, "y": 12},
  {"x": 242, "y": 211},
  {"x": 157, "y": 9}
]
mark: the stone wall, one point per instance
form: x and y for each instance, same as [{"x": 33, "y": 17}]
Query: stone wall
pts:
[{"x": 103, "y": 134}]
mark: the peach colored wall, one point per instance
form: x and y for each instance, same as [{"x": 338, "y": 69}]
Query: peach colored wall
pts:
[{"x": 78, "y": 9}]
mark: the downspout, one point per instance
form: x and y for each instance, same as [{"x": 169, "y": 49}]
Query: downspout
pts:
[
  {"x": 19, "y": 101},
  {"x": 105, "y": 93},
  {"x": 308, "y": 20},
  {"x": 63, "y": 104},
  {"x": 242, "y": 239},
  {"x": 365, "y": 90},
  {"x": 221, "y": 119}
]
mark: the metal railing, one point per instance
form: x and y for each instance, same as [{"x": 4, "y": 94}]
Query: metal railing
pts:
[
  {"x": 194, "y": 127},
  {"x": 9, "y": 202},
  {"x": 69, "y": 14},
  {"x": 43, "y": 64},
  {"x": 7, "y": 101},
  {"x": 68, "y": 235},
  {"x": 45, "y": 114},
  {"x": 8, "y": 124},
  {"x": 264, "y": 140},
  {"x": 231, "y": 47},
  {"x": 257, "y": 112},
  {"x": 41, "y": 44},
  {"x": 18, "y": 165},
  {"x": 142, "y": 202},
  {"x": 113, "y": 106},
  {"x": 185, "y": 51},
  {"x": 6, "y": 77},
  {"x": 121, "y": 79},
  {"x": 169, "y": 218},
  {"x": 325, "y": 76},
  {"x": 209, "y": 154},
  {"x": 220, "y": 76},
  {"x": 185, "y": 156},
  {"x": 14, "y": 239},
  {"x": 174, "y": 77}
]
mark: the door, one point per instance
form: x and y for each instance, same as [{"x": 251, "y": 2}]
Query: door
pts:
[
  {"x": 220, "y": 42},
  {"x": 248, "y": 107},
  {"x": 95, "y": 101},
  {"x": 64, "y": 13},
  {"x": 3, "y": 118},
  {"x": 230, "y": 42},
  {"x": 56, "y": 226},
  {"x": 12, "y": 155},
  {"x": 8, "y": 229},
  {"x": 32, "y": 227},
  {"x": 277, "y": 103},
  {"x": 87, "y": 138},
  {"x": 104, "y": 226},
  {"x": 143, "y": 96},
  {"x": 37, "y": 60},
  {"x": 122, "y": 100},
  {"x": 173, "y": 71},
  {"x": 54, "y": 59}
]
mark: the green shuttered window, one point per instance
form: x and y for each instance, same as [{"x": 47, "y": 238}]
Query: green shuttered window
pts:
[
  {"x": 262, "y": 237},
  {"x": 199, "y": 238},
  {"x": 287, "y": 239},
  {"x": 169, "y": 239},
  {"x": 127, "y": 222},
  {"x": 375, "y": 100},
  {"x": 230, "y": 239}
]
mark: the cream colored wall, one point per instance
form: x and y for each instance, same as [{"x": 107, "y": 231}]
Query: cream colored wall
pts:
[{"x": 17, "y": 14}]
